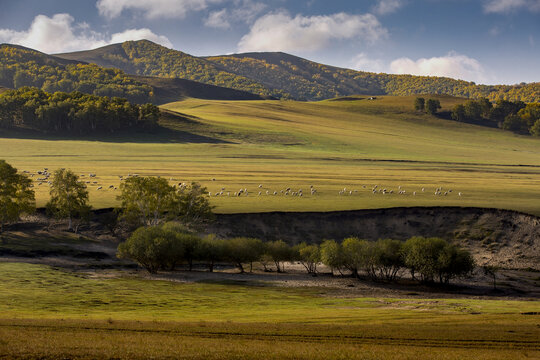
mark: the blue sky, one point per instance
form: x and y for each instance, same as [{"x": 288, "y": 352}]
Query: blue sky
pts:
[{"x": 487, "y": 41}]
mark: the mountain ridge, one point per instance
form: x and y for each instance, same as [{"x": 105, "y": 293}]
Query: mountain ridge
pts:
[{"x": 284, "y": 75}]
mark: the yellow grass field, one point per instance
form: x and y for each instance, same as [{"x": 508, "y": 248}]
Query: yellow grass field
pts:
[{"x": 330, "y": 145}]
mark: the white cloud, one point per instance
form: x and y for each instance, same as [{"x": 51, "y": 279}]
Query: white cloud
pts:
[
  {"x": 218, "y": 19},
  {"x": 504, "y": 6},
  {"x": 245, "y": 11},
  {"x": 152, "y": 8},
  {"x": 139, "y": 34},
  {"x": 362, "y": 62},
  {"x": 59, "y": 34},
  {"x": 281, "y": 32},
  {"x": 452, "y": 65},
  {"x": 384, "y": 7}
]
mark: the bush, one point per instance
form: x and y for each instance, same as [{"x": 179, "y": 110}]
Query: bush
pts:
[
  {"x": 153, "y": 248},
  {"x": 434, "y": 258}
]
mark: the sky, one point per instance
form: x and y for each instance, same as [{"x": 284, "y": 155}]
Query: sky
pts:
[{"x": 485, "y": 41}]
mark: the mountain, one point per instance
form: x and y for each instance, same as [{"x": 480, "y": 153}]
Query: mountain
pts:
[
  {"x": 286, "y": 76},
  {"x": 20, "y": 66},
  {"x": 149, "y": 59}
]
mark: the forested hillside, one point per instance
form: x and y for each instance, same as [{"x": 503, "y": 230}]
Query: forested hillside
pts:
[
  {"x": 307, "y": 80},
  {"x": 74, "y": 113},
  {"x": 287, "y": 76},
  {"x": 20, "y": 67},
  {"x": 149, "y": 59}
]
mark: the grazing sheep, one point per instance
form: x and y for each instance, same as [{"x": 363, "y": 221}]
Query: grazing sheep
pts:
[{"x": 459, "y": 193}]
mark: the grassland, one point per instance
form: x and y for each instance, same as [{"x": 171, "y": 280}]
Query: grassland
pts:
[
  {"x": 50, "y": 313},
  {"x": 330, "y": 145}
]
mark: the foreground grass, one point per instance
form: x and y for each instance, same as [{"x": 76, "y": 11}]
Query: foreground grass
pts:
[
  {"x": 329, "y": 144},
  {"x": 50, "y": 313}
]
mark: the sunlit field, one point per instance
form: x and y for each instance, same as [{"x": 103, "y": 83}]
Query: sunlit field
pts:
[
  {"x": 53, "y": 313},
  {"x": 330, "y": 145}
]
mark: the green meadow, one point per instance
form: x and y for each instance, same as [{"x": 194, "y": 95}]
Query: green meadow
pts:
[
  {"x": 52, "y": 313},
  {"x": 333, "y": 144}
]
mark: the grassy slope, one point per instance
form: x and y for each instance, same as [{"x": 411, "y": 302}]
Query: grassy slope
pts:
[
  {"x": 131, "y": 318},
  {"x": 330, "y": 144}
]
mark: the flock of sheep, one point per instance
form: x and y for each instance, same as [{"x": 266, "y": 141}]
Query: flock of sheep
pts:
[{"x": 91, "y": 180}]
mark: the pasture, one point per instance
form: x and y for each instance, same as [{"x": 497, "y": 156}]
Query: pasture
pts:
[
  {"x": 331, "y": 145},
  {"x": 53, "y": 313}
]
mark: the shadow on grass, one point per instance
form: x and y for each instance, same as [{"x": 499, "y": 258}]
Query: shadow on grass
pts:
[{"x": 160, "y": 135}]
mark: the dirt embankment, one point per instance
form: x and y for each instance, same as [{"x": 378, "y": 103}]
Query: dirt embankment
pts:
[{"x": 501, "y": 237}]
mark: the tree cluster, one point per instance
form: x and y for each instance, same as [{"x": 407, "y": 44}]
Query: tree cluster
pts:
[
  {"x": 149, "y": 201},
  {"x": 431, "y": 106},
  {"x": 21, "y": 67},
  {"x": 508, "y": 115},
  {"x": 427, "y": 259},
  {"x": 73, "y": 113}
]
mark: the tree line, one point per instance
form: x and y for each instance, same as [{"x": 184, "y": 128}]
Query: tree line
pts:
[
  {"x": 508, "y": 115},
  {"x": 20, "y": 67},
  {"x": 514, "y": 116},
  {"x": 168, "y": 245},
  {"x": 73, "y": 113}
]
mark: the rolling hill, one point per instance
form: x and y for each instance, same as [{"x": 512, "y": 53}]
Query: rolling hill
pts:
[
  {"x": 332, "y": 145},
  {"x": 21, "y": 66},
  {"x": 149, "y": 59},
  {"x": 286, "y": 76}
]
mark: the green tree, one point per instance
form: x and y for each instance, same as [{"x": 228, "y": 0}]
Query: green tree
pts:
[
  {"x": 192, "y": 206},
  {"x": 419, "y": 104},
  {"x": 154, "y": 248},
  {"x": 458, "y": 113},
  {"x": 473, "y": 110},
  {"x": 388, "y": 258},
  {"x": 16, "y": 194},
  {"x": 356, "y": 255},
  {"x": 535, "y": 129},
  {"x": 211, "y": 249},
  {"x": 332, "y": 255},
  {"x": 309, "y": 256},
  {"x": 241, "y": 250},
  {"x": 434, "y": 258},
  {"x": 432, "y": 106},
  {"x": 69, "y": 197},
  {"x": 280, "y": 252},
  {"x": 146, "y": 200},
  {"x": 515, "y": 123}
]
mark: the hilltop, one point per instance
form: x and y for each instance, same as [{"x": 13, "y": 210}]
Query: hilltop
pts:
[
  {"x": 286, "y": 76},
  {"x": 27, "y": 67}
]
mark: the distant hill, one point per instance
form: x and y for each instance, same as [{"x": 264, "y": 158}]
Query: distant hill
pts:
[
  {"x": 20, "y": 66},
  {"x": 286, "y": 76},
  {"x": 149, "y": 59}
]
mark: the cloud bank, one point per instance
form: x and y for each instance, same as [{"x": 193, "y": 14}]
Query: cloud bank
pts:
[
  {"x": 280, "y": 32},
  {"x": 452, "y": 65},
  {"x": 504, "y": 6},
  {"x": 153, "y": 8},
  {"x": 59, "y": 34}
]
